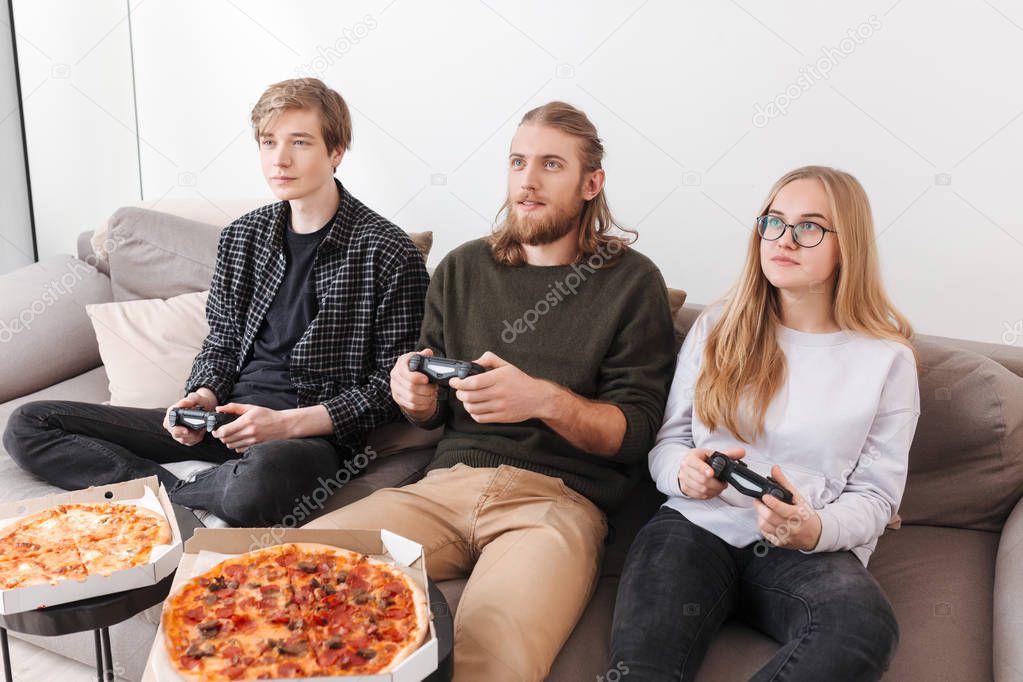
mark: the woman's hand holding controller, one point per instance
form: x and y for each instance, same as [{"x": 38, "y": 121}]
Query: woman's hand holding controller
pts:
[{"x": 696, "y": 478}]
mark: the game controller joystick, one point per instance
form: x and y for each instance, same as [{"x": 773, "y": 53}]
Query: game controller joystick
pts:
[
  {"x": 440, "y": 370},
  {"x": 197, "y": 419},
  {"x": 745, "y": 480}
]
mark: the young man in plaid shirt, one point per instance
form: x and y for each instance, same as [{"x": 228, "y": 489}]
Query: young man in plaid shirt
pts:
[{"x": 312, "y": 300}]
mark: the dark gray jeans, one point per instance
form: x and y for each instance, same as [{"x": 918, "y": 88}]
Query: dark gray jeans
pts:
[
  {"x": 74, "y": 445},
  {"x": 681, "y": 582}
]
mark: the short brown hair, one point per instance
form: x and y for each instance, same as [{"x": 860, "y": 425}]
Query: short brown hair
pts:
[
  {"x": 306, "y": 93},
  {"x": 596, "y": 222}
]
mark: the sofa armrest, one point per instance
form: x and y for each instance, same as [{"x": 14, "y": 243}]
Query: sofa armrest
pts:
[
  {"x": 88, "y": 254},
  {"x": 1008, "y": 611},
  {"x": 45, "y": 335}
]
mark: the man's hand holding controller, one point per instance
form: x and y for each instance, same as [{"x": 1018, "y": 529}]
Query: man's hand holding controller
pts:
[
  {"x": 413, "y": 391},
  {"x": 202, "y": 398}
]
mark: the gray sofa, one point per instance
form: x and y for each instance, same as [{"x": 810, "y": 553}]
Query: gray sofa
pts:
[{"x": 951, "y": 570}]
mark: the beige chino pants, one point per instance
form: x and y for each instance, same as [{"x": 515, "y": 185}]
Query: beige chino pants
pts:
[{"x": 530, "y": 546}]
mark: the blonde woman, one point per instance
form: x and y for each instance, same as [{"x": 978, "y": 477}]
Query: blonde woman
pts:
[{"x": 804, "y": 372}]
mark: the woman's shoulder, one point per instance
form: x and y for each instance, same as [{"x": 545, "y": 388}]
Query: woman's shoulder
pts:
[
  {"x": 893, "y": 359},
  {"x": 709, "y": 316},
  {"x": 893, "y": 348}
]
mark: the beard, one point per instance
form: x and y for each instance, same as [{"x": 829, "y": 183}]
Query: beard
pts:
[{"x": 537, "y": 230}]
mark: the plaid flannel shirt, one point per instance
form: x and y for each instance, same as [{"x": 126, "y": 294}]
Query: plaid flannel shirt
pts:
[{"x": 371, "y": 283}]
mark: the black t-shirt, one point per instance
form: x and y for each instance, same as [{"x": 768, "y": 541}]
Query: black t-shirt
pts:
[{"x": 266, "y": 377}]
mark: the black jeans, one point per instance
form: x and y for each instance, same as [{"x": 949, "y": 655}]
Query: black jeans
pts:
[
  {"x": 74, "y": 445},
  {"x": 681, "y": 582}
]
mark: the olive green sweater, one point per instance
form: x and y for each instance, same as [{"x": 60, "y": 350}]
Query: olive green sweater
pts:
[{"x": 604, "y": 333}]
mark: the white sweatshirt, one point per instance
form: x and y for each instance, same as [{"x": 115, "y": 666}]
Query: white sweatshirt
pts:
[{"x": 840, "y": 429}]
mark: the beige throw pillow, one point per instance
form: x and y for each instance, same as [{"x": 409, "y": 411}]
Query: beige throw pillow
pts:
[{"x": 148, "y": 346}]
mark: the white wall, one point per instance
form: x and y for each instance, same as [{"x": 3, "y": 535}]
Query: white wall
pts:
[
  {"x": 923, "y": 106},
  {"x": 79, "y": 114},
  {"x": 15, "y": 225}
]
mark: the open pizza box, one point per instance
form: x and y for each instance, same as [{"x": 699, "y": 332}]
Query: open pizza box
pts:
[
  {"x": 209, "y": 546},
  {"x": 146, "y": 492}
]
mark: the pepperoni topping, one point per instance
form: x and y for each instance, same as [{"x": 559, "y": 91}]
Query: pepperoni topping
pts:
[
  {"x": 391, "y": 634},
  {"x": 234, "y": 571},
  {"x": 243, "y": 623},
  {"x": 195, "y": 615},
  {"x": 188, "y": 663},
  {"x": 331, "y": 656},
  {"x": 233, "y": 672},
  {"x": 289, "y": 669},
  {"x": 232, "y": 651},
  {"x": 392, "y": 588}
]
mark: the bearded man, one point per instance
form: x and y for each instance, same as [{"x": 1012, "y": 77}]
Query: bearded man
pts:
[{"x": 573, "y": 328}]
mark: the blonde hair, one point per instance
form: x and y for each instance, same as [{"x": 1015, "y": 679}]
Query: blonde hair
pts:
[
  {"x": 595, "y": 221},
  {"x": 306, "y": 93},
  {"x": 743, "y": 366}
]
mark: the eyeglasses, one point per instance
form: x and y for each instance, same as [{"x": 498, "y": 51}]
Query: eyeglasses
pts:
[{"x": 807, "y": 234}]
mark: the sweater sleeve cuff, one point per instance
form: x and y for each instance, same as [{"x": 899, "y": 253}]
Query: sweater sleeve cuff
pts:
[
  {"x": 828, "y": 541},
  {"x": 438, "y": 418},
  {"x": 636, "y": 441},
  {"x": 668, "y": 480}
]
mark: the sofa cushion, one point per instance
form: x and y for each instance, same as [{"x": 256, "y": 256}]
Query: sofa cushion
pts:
[
  {"x": 152, "y": 254},
  {"x": 676, "y": 299},
  {"x": 45, "y": 335},
  {"x": 222, "y": 212},
  {"x": 90, "y": 387},
  {"x": 148, "y": 346},
  {"x": 940, "y": 582},
  {"x": 158, "y": 255},
  {"x": 966, "y": 462}
]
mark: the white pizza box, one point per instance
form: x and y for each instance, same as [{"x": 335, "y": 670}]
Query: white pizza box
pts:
[
  {"x": 145, "y": 492},
  {"x": 208, "y": 546}
]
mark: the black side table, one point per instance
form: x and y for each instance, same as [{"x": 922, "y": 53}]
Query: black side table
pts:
[
  {"x": 96, "y": 614},
  {"x": 443, "y": 623}
]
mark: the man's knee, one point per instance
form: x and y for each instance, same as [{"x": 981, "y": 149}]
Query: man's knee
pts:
[
  {"x": 268, "y": 487},
  {"x": 26, "y": 420}
]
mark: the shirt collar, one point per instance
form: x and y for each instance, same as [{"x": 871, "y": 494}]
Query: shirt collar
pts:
[{"x": 336, "y": 235}]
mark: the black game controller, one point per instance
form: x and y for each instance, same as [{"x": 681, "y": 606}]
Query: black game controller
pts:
[
  {"x": 745, "y": 480},
  {"x": 440, "y": 370},
  {"x": 196, "y": 420}
]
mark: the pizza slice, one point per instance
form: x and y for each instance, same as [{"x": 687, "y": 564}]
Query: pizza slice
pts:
[
  {"x": 355, "y": 610},
  {"x": 38, "y": 549},
  {"x": 32, "y": 534},
  {"x": 41, "y": 569},
  {"x": 238, "y": 622},
  {"x": 113, "y": 536}
]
